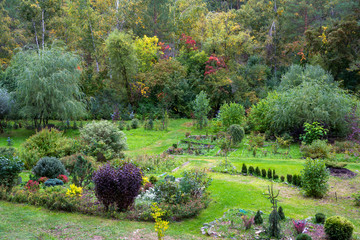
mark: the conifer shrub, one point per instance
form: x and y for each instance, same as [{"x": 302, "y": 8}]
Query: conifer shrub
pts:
[
  {"x": 49, "y": 167},
  {"x": 281, "y": 213},
  {"x": 263, "y": 173},
  {"x": 251, "y": 170},
  {"x": 289, "y": 178},
  {"x": 269, "y": 174},
  {"x": 282, "y": 178},
  {"x": 244, "y": 169},
  {"x": 257, "y": 171},
  {"x": 135, "y": 123},
  {"x": 258, "y": 218},
  {"x": 53, "y": 182}
]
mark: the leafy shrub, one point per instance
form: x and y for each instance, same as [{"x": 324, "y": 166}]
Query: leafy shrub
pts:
[
  {"x": 289, "y": 178},
  {"x": 315, "y": 178},
  {"x": 237, "y": 133},
  {"x": 7, "y": 152},
  {"x": 122, "y": 125},
  {"x": 156, "y": 163},
  {"x": 74, "y": 191},
  {"x": 128, "y": 127},
  {"x": 9, "y": 171},
  {"x": 195, "y": 183},
  {"x": 320, "y": 218},
  {"x": 344, "y": 146},
  {"x": 46, "y": 143},
  {"x": 149, "y": 124},
  {"x": 53, "y": 182},
  {"x": 299, "y": 226},
  {"x": 337, "y": 227},
  {"x": 317, "y": 149},
  {"x": 103, "y": 140},
  {"x": 117, "y": 186},
  {"x": 244, "y": 169},
  {"x": 258, "y": 218},
  {"x": 82, "y": 172},
  {"x": 256, "y": 140},
  {"x": 276, "y": 177},
  {"x": 70, "y": 161},
  {"x": 232, "y": 113},
  {"x": 135, "y": 123},
  {"x": 49, "y": 167},
  {"x": 248, "y": 222},
  {"x": 43, "y": 179},
  {"x": 263, "y": 173},
  {"x": 312, "y": 100},
  {"x": 303, "y": 236},
  {"x": 281, "y": 213},
  {"x": 313, "y": 131}
]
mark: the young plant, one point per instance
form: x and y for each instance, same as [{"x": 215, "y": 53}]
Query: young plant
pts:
[
  {"x": 299, "y": 226},
  {"x": 313, "y": 131},
  {"x": 258, "y": 219},
  {"x": 160, "y": 225},
  {"x": 274, "y": 218},
  {"x": 315, "y": 178},
  {"x": 248, "y": 222}
]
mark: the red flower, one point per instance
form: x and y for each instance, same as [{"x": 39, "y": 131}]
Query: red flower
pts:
[
  {"x": 32, "y": 186},
  {"x": 63, "y": 178}
]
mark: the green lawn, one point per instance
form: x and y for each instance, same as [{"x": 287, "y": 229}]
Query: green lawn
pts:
[{"x": 28, "y": 222}]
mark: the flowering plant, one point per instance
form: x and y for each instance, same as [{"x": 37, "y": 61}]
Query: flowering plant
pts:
[
  {"x": 32, "y": 186},
  {"x": 74, "y": 191},
  {"x": 43, "y": 179},
  {"x": 63, "y": 178},
  {"x": 299, "y": 226}
]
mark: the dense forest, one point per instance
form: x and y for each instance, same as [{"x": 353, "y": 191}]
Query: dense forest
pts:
[{"x": 119, "y": 58}]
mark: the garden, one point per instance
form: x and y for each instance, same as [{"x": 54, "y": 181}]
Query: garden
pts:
[{"x": 180, "y": 119}]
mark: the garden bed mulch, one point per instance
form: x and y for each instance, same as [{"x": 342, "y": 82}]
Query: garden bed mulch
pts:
[{"x": 342, "y": 172}]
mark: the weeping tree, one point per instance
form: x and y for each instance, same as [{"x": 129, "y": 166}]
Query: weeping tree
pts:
[
  {"x": 123, "y": 62},
  {"x": 47, "y": 85},
  {"x": 4, "y": 106}
]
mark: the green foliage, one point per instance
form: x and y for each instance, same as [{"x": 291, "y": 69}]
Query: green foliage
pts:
[
  {"x": 274, "y": 218},
  {"x": 257, "y": 171},
  {"x": 281, "y": 213},
  {"x": 49, "y": 167},
  {"x": 317, "y": 149},
  {"x": 146, "y": 51},
  {"x": 53, "y": 182},
  {"x": 149, "y": 124},
  {"x": 303, "y": 236},
  {"x": 357, "y": 198},
  {"x": 135, "y": 123},
  {"x": 315, "y": 178},
  {"x": 337, "y": 227},
  {"x": 224, "y": 167},
  {"x": 256, "y": 140},
  {"x": 103, "y": 140},
  {"x": 38, "y": 93},
  {"x": 4, "y": 103},
  {"x": 121, "y": 49},
  {"x": 232, "y": 113},
  {"x": 201, "y": 108},
  {"x": 7, "y": 152},
  {"x": 237, "y": 133},
  {"x": 263, "y": 173},
  {"x": 288, "y": 110},
  {"x": 50, "y": 143},
  {"x": 251, "y": 170},
  {"x": 244, "y": 169},
  {"x": 269, "y": 174},
  {"x": 10, "y": 169},
  {"x": 82, "y": 172},
  {"x": 258, "y": 218},
  {"x": 313, "y": 131},
  {"x": 320, "y": 218}
]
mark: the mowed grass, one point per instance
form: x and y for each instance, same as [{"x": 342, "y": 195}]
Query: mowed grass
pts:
[{"x": 227, "y": 191}]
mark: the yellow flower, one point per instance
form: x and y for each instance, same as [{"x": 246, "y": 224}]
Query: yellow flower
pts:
[{"x": 74, "y": 191}]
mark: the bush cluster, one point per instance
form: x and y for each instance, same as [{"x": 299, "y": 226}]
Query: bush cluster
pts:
[
  {"x": 237, "y": 133},
  {"x": 47, "y": 143},
  {"x": 103, "y": 140},
  {"x": 315, "y": 178},
  {"x": 117, "y": 186},
  {"x": 9, "y": 171},
  {"x": 337, "y": 227},
  {"x": 317, "y": 149}
]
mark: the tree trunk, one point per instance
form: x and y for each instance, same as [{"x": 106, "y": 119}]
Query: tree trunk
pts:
[
  {"x": 93, "y": 42},
  {"x": 36, "y": 38},
  {"x": 43, "y": 28}
]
